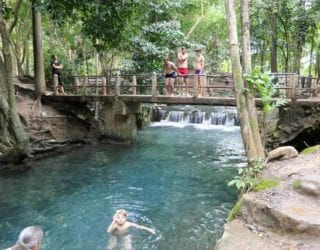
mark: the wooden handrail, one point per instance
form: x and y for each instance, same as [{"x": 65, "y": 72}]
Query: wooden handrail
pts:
[{"x": 213, "y": 85}]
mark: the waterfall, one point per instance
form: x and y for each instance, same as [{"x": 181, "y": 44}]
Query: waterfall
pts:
[
  {"x": 157, "y": 114},
  {"x": 223, "y": 117},
  {"x": 196, "y": 116},
  {"x": 175, "y": 116},
  {"x": 218, "y": 118}
]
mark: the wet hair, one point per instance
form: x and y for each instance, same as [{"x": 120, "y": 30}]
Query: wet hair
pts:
[
  {"x": 29, "y": 238},
  {"x": 122, "y": 211}
]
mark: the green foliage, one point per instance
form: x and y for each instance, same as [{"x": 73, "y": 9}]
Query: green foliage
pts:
[
  {"x": 247, "y": 177},
  {"x": 155, "y": 41},
  {"x": 296, "y": 184},
  {"x": 265, "y": 184},
  {"x": 310, "y": 150},
  {"x": 266, "y": 87},
  {"x": 144, "y": 117},
  {"x": 235, "y": 210}
]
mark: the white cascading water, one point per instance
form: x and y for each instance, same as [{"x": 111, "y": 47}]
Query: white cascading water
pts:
[{"x": 200, "y": 119}]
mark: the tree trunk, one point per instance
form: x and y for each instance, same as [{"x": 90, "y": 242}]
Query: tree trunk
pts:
[
  {"x": 262, "y": 55},
  {"x": 40, "y": 84},
  {"x": 311, "y": 52},
  {"x": 8, "y": 103},
  {"x": 298, "y": 52},
  {"x": 301, "y": 35},
  {"x": 246, "y": 132},
  {"x": 246, "y": 57},
  {"x": 317, "y": 71},
  {"x": 274, "y": 35},
  {"x": 27, "y": 61}
]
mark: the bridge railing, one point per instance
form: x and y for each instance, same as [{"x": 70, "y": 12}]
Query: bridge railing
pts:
[
  {"x": 221, "y": 85},
  {"x": 151, "y": 84}
]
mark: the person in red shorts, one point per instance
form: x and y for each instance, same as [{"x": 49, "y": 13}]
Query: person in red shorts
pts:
[{"x": 183, "y": 70}]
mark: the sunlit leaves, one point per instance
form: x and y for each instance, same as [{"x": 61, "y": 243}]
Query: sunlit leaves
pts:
[{"x": 264, "y": 83}]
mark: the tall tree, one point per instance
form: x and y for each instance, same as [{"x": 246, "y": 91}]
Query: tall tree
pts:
[
  {"x": 246, "y": 131},
  {"x": 246, "y": 62},
  {"x": 14, "y": 142},
  {"x": 40, "y": 83},
  {"x": 274, "y": 36}
]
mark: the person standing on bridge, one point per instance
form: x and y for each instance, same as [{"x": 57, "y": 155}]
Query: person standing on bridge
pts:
[
  {"x": 183, "y": 70},
  {"x": 56, "y": 67},
  {"x": 199, "y": 70},
  {"x": 170, "y": 71}
]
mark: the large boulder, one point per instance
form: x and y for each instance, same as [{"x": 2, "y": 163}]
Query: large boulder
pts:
[{"x": 282, "y": 153}]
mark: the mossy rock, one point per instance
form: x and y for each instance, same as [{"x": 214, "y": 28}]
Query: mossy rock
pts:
[
  {"x": 310, "y": 150},
  {"x": 296, "y": 184},
  {"x": 235, "y": 210},
  {"x": 265, "y": 184}
]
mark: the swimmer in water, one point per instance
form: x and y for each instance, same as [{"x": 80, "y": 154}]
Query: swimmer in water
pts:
[{"x": 121, "y": 239}]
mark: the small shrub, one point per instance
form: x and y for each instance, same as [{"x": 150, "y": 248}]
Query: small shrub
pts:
[
  {"x": 296, "y": 184},
  {"x": 235, "y": 210},
  {"x": 310, "y": 150},
  {"x": 247, "y": 177},
  {"x": 265, "y": 184}
]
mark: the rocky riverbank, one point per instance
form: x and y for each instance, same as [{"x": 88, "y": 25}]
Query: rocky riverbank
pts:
[
  {"x": 53, "y": 128},
  {"x": 284, "y": 217}
]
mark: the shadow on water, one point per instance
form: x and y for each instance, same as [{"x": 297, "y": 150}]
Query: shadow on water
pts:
[{"x": 172, "y": 179}]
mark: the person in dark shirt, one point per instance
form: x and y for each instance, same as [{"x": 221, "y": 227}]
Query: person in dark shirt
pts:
[{"x": 56, "y": 67}]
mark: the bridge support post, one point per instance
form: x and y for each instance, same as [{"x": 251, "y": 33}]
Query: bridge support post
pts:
[
  {"x": 85, "y": 84},
  {"x": 154, "y": 85},
  {"x": 77, "y": 90},
  {"x": 293, "y": 81},
  {"x": 119, "y": 120},
  {"x": 55, "y": 84},
  {"x": 117, "y": 86},
  {"x": 134, "y": 85},
  {"x": 204, "y": 85},
  {"x": 195, "y": 86},
  {"x": 104, "y": 86}
]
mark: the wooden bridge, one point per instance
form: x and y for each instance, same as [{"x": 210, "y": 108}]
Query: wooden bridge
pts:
[
  {"x": 116, "y": 99},
  {"x": 150, "y": 88}
]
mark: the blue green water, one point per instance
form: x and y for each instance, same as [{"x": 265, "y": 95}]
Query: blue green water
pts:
[{"x": 173, "y": 179}]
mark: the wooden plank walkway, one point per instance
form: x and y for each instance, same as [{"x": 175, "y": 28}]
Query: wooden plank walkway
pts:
[{"x": 174, "y": 100}]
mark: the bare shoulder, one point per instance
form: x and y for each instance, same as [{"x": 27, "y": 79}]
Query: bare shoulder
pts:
[{"x": 171, "y": 64}]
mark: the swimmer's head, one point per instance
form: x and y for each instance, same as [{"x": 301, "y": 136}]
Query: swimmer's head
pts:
[
  {"x": 122, "y": 211},
  {"x": 121, "y": 216}
]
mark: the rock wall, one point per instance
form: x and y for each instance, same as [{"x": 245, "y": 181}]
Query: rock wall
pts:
[
  {"x": 286, "y": 216},
  {"x": 295, "y": 125}
]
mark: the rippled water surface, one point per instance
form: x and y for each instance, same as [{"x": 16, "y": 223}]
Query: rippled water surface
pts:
[{"x": 173, "y": 179}]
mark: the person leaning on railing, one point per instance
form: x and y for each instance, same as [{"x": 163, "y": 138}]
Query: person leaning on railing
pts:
[{"x": 56, "y": 67}]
